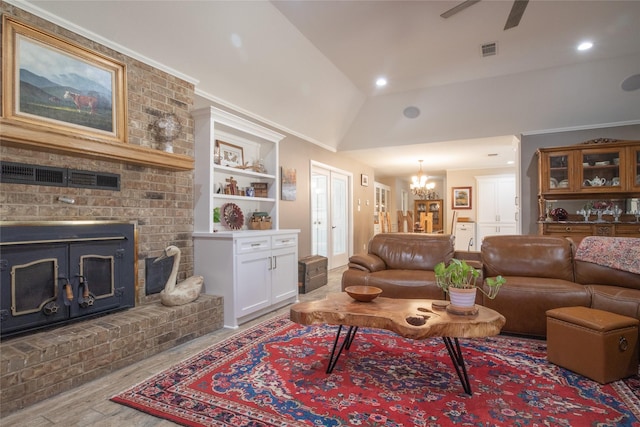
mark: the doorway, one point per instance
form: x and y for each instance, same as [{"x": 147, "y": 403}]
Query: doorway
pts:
[{"x": 331, "y": 221}]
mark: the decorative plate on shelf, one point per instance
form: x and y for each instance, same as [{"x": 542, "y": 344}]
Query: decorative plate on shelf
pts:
[{"x": 232, "y": 216}]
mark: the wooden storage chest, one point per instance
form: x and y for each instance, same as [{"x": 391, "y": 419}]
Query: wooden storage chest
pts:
[{"x": 312, "y": 273}]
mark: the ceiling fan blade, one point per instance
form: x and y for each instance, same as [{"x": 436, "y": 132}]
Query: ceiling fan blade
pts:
[
  {"x": 462, "y": 6},
  {"x": 517, "y": 10}
]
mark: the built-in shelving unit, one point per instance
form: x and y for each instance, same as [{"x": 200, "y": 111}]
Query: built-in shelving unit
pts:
[
  {"x": 255, "y": 271},
  {"x": 257, "y": 144}
]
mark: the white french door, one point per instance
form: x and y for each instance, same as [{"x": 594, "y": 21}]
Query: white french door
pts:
[{"x": 330, "y": 214}]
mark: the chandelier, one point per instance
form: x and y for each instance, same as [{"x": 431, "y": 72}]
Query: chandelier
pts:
[{"x": 420, "y": 188}]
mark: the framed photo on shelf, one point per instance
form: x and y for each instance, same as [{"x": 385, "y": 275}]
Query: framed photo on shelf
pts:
[
  {"x": 230, "y": 155},
  {"x": 364, "y": 180},
  {"x": 461, "y": 198},
  {"x": 51, "y": 84}
]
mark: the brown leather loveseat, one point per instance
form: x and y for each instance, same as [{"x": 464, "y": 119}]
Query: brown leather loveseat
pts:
[
  {"x": 541, "y": 271},
  {"x": 401, "y": 264}
]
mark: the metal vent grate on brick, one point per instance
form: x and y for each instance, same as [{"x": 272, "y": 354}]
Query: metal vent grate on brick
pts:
[
  {"x": 100, "y": 180},
  {"x": 489, "y": 49},
  {"x": 21, "y": 173}
]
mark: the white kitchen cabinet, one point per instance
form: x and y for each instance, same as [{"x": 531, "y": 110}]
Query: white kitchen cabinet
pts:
[
  {"x": 254, "y": 271},
  {"x": 497, "y": 208},
  {"x": 465, "y": 233}
]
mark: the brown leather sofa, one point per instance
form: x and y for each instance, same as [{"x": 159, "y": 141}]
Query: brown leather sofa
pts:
[
  {"x": 401, "y": 264},
  {"x": 541, "y": 273}
]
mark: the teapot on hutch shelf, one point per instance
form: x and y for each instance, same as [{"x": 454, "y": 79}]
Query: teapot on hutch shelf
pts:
[{"x": 595, "y": 182}]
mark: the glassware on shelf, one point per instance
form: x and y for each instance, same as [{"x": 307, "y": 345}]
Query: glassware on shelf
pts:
[
  {"x": 616, "y": 211},
  {"x": 585, "y": 213}
]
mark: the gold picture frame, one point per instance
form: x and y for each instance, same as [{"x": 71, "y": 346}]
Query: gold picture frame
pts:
[{"x": 53, "y": 86}]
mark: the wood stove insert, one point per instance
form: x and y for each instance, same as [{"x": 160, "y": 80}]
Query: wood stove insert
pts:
[{"x": 57, "y": 272}]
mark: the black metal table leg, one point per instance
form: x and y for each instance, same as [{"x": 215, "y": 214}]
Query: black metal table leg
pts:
[
  {"x": 346, "y": 343},
  {"x": 458, "y": 362}
]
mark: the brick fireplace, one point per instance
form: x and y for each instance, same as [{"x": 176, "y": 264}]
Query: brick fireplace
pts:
[{"x": 160, "y": 204}]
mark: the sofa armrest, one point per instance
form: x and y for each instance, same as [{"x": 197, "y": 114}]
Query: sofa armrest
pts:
[{"x": 367, "y": 262}]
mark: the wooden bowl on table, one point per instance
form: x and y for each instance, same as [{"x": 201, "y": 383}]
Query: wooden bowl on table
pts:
[{"x": 363, "y": 293}]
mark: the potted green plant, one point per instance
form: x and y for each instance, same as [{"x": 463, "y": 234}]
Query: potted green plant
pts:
[
  {"x": 216, "y": 219},
  {"x": 460, "y": 281}
]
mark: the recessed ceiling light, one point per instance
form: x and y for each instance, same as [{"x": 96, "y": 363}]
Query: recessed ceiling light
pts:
[
  {"x": 585, "y": 46},
  {"x": 381, "y": 82}
]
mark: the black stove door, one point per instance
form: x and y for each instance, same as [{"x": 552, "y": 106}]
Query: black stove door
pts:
[
  {"x": 99, "y": 274},
  {"x": 33, "y": 286}
]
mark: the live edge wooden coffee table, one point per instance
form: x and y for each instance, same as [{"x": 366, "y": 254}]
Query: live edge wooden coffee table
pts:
[{"x": 417, "y": 319}]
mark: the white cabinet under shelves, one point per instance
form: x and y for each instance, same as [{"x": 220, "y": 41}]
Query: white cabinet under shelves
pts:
[
  {"x": 254, "y": 271},
  {"x": 257, "y": 143}
]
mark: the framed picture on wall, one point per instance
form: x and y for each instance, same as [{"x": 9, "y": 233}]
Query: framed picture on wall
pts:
[
  {"x": 51, "y": 84},
  {"x": 288, "y": 186},
  {"x": 461, "y": 198},
  {"x": 364, "y": 180}
]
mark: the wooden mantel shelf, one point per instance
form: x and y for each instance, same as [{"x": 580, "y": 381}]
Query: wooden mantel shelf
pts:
[{"x": 22, "y": 136}]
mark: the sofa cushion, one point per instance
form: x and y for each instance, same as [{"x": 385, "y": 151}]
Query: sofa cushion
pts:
[
  {"x": 616, "y": 300},
  {"x": 524, "y": 301},
  {"x": 529, "y": 256},
  {"x": 588, "y": 273},
  {"x": 406, "y": 284},
  {"x": 396, "y": 283},
  {"x": 412, "y": 251}
]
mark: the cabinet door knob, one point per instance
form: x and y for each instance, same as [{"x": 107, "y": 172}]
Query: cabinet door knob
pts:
[{"x": 567, "y": 229}]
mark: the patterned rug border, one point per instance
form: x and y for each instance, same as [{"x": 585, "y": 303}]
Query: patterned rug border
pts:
[{"x": 247, "y": 339}]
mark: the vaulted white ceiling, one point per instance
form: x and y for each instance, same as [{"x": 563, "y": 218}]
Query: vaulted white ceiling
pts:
[{"x": 309, "y": 68}]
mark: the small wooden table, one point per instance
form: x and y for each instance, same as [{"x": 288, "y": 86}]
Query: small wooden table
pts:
[{"x": 410, "y": 318}]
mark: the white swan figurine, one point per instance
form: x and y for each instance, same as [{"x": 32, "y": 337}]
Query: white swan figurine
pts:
[{"x": 183, "y": 292}]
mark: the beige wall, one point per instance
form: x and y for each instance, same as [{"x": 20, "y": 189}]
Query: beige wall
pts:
[{"x": 298, "y": 154}]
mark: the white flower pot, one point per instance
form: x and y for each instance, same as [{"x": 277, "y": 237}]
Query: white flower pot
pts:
[{"x": 462, "y": 298}]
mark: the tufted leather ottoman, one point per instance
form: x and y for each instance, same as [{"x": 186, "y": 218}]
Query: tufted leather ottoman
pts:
[{"x": 595, "y": 343}]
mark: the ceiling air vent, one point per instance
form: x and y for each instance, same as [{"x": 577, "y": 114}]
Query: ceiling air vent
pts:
[{"x": 489, "y": 49}]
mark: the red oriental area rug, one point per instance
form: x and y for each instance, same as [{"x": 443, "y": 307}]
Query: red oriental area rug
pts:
[{"x": 274, "y": 375}]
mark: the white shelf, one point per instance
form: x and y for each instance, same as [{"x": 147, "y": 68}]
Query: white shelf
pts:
[
  {"x": 244, "y": 198},
  {"x": 243, "y": 172}
]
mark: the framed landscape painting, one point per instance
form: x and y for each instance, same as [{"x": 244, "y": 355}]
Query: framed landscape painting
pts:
[
  {"x": 54, "y": 85},
  {"x": 461, "y": 198}
]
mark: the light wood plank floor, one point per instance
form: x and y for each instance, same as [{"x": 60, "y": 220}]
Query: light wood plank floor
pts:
[{"x": 89, "y": 405}]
